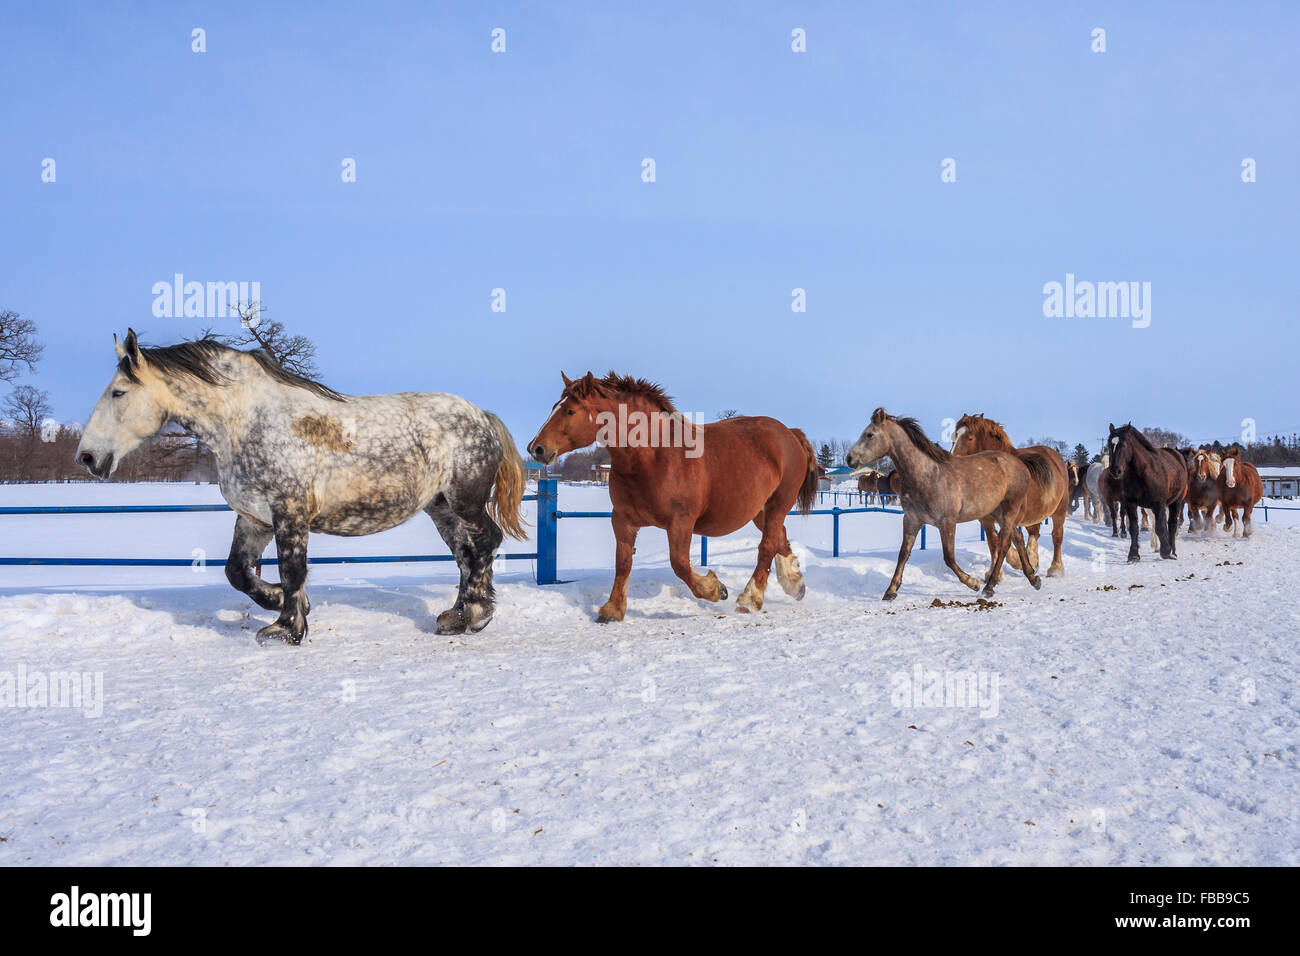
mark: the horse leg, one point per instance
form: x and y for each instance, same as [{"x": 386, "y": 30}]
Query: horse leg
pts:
[
  {"x": 246, "y": 549},
  {"x": 473, "y": 538},
  {"x": 911, "y": 527},
  {"x": 706, "y": 587},
  {"x": 1057, "y": 568},
  {"x": 948, "y": 535},
  {"x": 1245, "y": 519},
  {"x": 291, "y": 549},
  {"x": 624, "y": 547},
  {"x": 1031, "y": 573},
  {"x": 751, "y": 599},
  {"x": 1236, "y": 523},
  {"x": 1152, "y": 524},
  {"x": 1135, "y": 549},
  {"x": 1160, "y": 539},
  {"x": 1031, "y": 546},
  {"x": 1006, "y": 532},
  {"x": 1173, "y": 522},
  {"x": 788, "y": 573},
  {"x": 991, "y": 539}
]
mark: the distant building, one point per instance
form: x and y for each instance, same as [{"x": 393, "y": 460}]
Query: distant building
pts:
[
  {"x": 1280, "y": 482},
  {"x": 832, "y": 476}
]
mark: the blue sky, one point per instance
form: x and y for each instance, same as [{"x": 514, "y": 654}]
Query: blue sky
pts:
[{"x": 775, "y": 170}]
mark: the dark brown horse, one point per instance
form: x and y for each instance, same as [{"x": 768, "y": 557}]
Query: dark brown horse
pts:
[
  {"x": 1239, "y": 487},
  {"x": 667, "y": 472},
  {"x": 1148, "y": 477},
  {"x": 939, "y": 489},
  {"x": 1049, "y": 495}
]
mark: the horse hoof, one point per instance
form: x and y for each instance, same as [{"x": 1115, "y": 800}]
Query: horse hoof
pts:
[
  {"x": 279, "y": 632},
  {"x": 742, "y": 609},
  {"x": 451, "y": 621},
  {"x": 802, "y": 591},
  {"x": 1134, "y": 558},
  {"x": 988, "y": 591},
  {"x": 602, "y": 619},
  {"x": 722, "y": 591},
  {"x": 889, "y": 595},
  {"x": 1037, "y": 582}
]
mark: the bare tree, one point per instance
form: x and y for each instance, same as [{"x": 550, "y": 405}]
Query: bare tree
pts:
[
  {"x": 293, "y": 353},
  {"x": 1056, "y": 443},
  {"x": 27, "y": 407},
  {"x": 18, "y": 345},
  {"x": 728, "y": 413},
  {"x": 1165, "y": 437}
]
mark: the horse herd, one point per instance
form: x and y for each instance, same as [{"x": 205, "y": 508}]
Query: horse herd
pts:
[
  {"x": 294, "y": 456},
  {"x": 1215, "y": 480}
]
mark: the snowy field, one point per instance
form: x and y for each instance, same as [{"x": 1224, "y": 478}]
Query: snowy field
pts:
[{"x": 1121, "y": 715}]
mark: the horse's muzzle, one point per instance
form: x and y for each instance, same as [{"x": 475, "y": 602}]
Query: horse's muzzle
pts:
[
  {"x": 87, "y": 461},
  {"x": 542, "y": 454}
]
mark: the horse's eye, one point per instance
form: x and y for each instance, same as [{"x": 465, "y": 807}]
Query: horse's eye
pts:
[
  {"x": 118, "y": 393},
  {"x": 571, "y": 412}
]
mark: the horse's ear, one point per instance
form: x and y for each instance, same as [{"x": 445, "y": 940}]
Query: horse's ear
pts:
[
  {"x": 878, "y": 416},
  {"x": 567, "y": 381},
  {"x": 1112, "y": 427},
  {"x": 129, "y": 349}
]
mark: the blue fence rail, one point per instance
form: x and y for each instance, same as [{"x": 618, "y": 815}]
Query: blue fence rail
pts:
[
  {"x": 186, "y": 562},
  {"x": 546, "y": 556}
]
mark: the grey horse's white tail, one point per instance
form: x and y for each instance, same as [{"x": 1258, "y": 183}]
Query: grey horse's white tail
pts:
[{"x": 505, "y": 505}]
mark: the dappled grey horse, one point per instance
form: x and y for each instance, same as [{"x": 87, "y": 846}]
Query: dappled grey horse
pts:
[{"x": 294, "y": 457}]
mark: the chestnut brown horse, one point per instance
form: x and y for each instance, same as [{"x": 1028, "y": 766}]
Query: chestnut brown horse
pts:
[
  {"x": 1148, "y": 477},
  {"x": 869, "y": 482},
  {"x": 1239, "y": 487},
  {"x": 942, "y": 490},
  {"x": 1203, "y": 468},
  {"x": 666, "y": 472},
  {"x": 1049, "y": 496}
]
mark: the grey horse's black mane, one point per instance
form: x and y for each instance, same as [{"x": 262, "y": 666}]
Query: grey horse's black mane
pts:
[
  {"x": 198, "y": 360},
  {"x": 915, "y": 434}
]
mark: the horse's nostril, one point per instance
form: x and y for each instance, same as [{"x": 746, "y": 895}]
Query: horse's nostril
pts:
[{"x": 87, "y": 458}]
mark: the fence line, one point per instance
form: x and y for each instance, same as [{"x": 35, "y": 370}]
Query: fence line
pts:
[{"x": 546, "y": 556}]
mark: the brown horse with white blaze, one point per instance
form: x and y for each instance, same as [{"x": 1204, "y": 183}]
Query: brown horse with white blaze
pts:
[
  {"x": 1239, "y": 487},
  {"x": 699, "y": 479},
  {"x": 1049, "y": 490}
]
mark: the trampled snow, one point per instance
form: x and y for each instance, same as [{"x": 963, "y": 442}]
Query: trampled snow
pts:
[{"x": 1121, "y": 715}]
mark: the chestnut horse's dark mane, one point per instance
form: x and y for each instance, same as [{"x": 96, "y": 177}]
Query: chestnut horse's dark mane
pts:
[
  {"x": 628, "y": 385},
  {"x": 914, "y": 434}
]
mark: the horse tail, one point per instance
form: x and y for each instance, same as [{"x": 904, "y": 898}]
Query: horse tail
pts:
[
  {"x": 1039, "y": 468},
  {"x": 505, "y": 506},
  {"x": 808, "y": 490}
]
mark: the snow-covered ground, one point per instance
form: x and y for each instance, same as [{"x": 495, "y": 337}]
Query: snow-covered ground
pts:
[{"x": 1121, "y": 715}]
